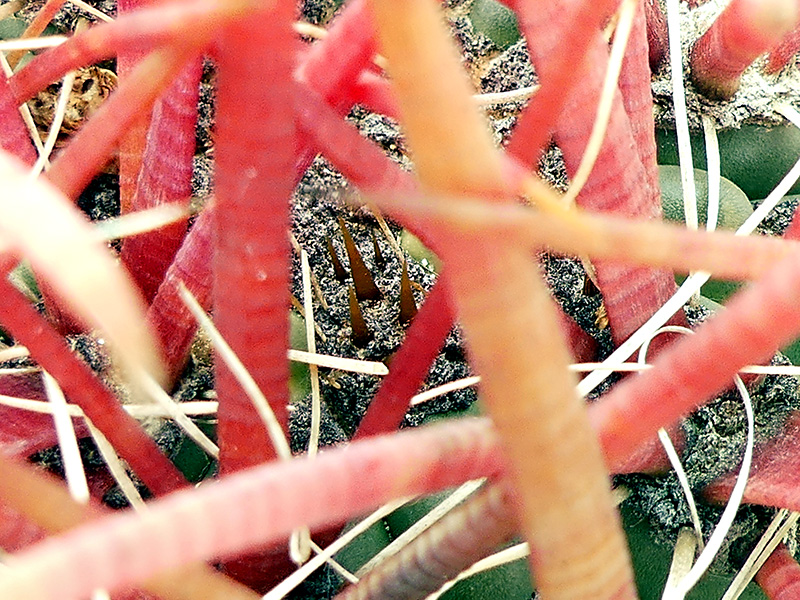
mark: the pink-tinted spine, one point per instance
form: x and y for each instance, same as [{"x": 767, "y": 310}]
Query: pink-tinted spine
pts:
[
  {"x": 84, "y": 389},
  {"x": 165, "y": 177},
  {"x": 250, "y": 508},
  {"x": 578, "y": 22},
  {"x": 132, "y": 144},
  {"x": 773, "y": 477},
  {"x": 637, "y": 99},
  {"x": 469, "y": 533},
  {"x": 17, "y": 532},
  {"x": 650, "y": 457},
  {"x": 657, "y": 38},
  {"x": 359, "y": 159},
  {"x": 793, "y": 231},
  {"x": 144, "y": 30},
  {"x": 619, "y": 183},
  {"x": 693, "y": 369},
  {"x": 14, "y": 137},
  {"x": 784, "y": 52},
  {"x": 167, "y": 315},
  {"x": 335, "y": 63},
  {"x": 745, "y": 30},
  {"x": 779, "y": 577},
  {"x": 332, "y": 66},
  {"x": 411, "y": 364},
  {"x": 375, "y": 92},
  {"x": 92, "y": 146},
  {"x": 255, "y": 152}
]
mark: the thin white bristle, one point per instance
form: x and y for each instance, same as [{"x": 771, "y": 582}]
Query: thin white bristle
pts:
[
  {"x": 296, "y": 578},
  {"x": 55, "y": 127},
  {"x": 67, "y": 441},
  {"x": 353, "y": 365},
  {"x": 115, "y": 467},
  {"x": 243, "y": 377},
  {"x": 37, "y": 43},
  {"x": 423, "y": 524}
]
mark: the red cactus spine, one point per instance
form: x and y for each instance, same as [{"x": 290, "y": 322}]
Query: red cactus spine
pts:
[
  {"x": 784, "y": 52},
  {"x": 167, "y": 315},
  {"x": 83, "y": 388},
  {"x": 255, "y": 152},
  {"x": 14, "y": 136},
  {"x": 779, "y": 577},
  {"x": 618, "y": 183},
  {"x": 743, "y": 31},
  {"x": 165, "y": 177}
]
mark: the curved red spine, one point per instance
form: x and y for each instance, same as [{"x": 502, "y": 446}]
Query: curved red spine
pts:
[
  {"x": 375, "y": 92},
  {"x": 84, "y": 389},
  {"x": 742, "y": 32},
  {"x": 411, "y": 364},
  {"x": 773, "y": 477},
  {"x": 619, "y": 183},
  {"x": 92, "y": 146},
  {"x": 578, "y": 23},
  {"x": 349, "y": 41},
  {"x": 692, "y": 369},
  {"x": 334, "y": 64},
  {"x": 779, "y": 577},
  {"x": 132, "y": 144},
  {"x": 657, "y": 42},
  {"x": 165, "y": 177},
  {"x": 167, "y": 315},
  {"x": 14, "y": 136},
  {"x": 255, "y": 152},
  {"x": 637, "y": 98},
  {"x": 780, "y": 56}
]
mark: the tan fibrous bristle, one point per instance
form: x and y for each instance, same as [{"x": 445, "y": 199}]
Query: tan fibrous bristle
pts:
[
  {"x": 361, "y": 333},
  {"x": 379, "y": 261},
  {"x": 338, "y": 270},
  {"x": 362, "y": 278},
  {"x": 408, "y": 307}
]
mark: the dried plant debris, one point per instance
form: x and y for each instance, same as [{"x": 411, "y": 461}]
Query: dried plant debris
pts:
[
  {"x": 66, "y": 17},
  {"x": 91, "y": 87}
]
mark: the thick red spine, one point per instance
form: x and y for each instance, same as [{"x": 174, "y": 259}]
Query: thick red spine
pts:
[
  {"x": 619, "y": 183},
  {"x": 14, "y": 136},
  {"x": 779, "y": 577},
  {"x": 165, "y": 177},
  {"x": 784, "y": 52},
  {"x": 263, "y": 503},
  {"x": 579, "y": 23},
  {"x": 637, "y": 98},
  {"x": 742, "y": 32},
  {"x": 83, "y": 388},
  {"x": 755, "y": 323},
  {"x": 657, "y": 36},
  {"x": 167, "y": 315},
  {"x": 255, "y": 152},
  {"x": 131, "y": 147}
]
